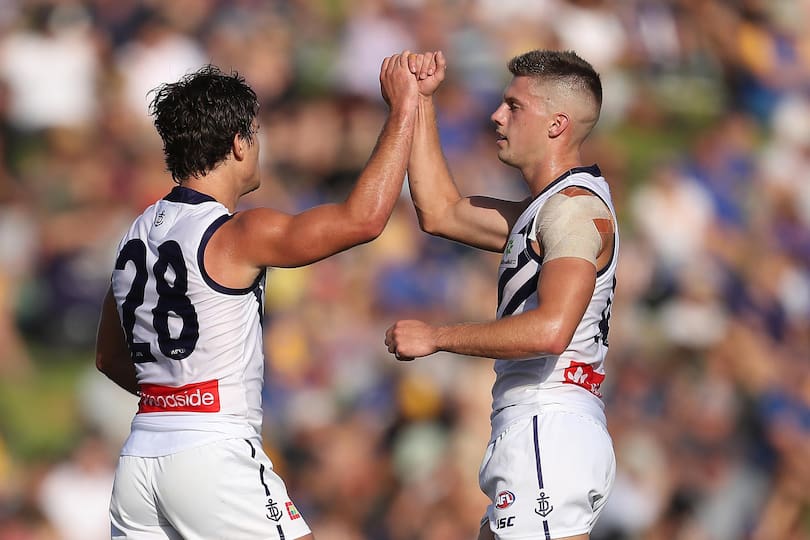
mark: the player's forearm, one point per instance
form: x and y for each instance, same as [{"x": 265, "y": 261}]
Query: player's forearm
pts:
[
  {"x": 377, "y": 189},
  {"x": 513, "y": 338},
  {"x": 112, "y": 353},
  {"x": 431, "y": 184},
  {"x": 120, "y": 371}
]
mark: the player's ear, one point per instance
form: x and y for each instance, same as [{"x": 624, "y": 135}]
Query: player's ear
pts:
[
  {"x": 238, "y": 147},
  {"x": 559, "y": 123}
]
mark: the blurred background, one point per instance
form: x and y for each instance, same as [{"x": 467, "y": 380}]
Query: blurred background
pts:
[{"x": 704, "y": 137}]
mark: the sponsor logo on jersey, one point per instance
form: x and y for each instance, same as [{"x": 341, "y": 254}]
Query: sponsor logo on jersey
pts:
[
  {"x": 505, "y": 522},
  {"x": 510, "y": 256},
  {"x": 544, "y": 507},
  {"x": 504, "y": 499},
  {"x": 583, "y": 375},
  {"x": 292, "y": 511},
  {"x": 159, "y": 218},
  {"x": 199, "y": 397}
]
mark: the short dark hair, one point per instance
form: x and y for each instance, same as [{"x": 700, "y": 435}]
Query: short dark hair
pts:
[
  {"x": 559, "y": 65},
  {"x": 198, "y": 116}
]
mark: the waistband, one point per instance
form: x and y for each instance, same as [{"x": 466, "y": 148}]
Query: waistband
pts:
[{"x": 502, "y": 418}]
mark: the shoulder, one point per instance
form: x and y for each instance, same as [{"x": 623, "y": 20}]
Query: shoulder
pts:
[
  {"x": 248, "y": 230},
  {"x": 573, "y": 203},
  {"x": 254, "y": 219},
  {"x": 574, "y": 211}
]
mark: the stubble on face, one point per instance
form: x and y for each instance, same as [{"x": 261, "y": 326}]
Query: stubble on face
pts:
[{"x": 523, "y": 114}]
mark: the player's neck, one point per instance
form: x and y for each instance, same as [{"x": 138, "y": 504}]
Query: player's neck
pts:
[
  {"x": 543, "y": 173},
  {"x": 213, "y": 185}
]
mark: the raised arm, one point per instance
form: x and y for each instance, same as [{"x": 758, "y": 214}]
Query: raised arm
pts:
[
  {"x": 481, "y": 222},
  {"x": 265, "y": 237}
]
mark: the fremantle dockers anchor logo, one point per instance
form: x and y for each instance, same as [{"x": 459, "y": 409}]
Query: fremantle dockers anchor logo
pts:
[
  {"x": 544, "y": 507},
  {"x": 273, "y": 511}
]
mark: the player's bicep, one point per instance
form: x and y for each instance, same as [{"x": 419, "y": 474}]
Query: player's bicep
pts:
[
  {"x": 564, "y": 291},
  {"x": 267, "y": 237},
  {"x": 482, "y": 222}
]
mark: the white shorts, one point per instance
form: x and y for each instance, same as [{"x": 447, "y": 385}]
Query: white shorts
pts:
[
  {"x": 222, "y": 490},
  {"x": 548, "y": 476}
]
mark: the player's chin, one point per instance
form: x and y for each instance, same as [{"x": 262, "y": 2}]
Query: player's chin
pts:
[{"x": 504, "y": 157}]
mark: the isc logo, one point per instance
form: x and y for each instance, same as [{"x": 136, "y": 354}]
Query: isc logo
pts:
[{"x": 504, "y": 522}]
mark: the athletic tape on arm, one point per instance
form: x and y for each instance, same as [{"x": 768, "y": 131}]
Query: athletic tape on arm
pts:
[{"x": 565, "y": 227}]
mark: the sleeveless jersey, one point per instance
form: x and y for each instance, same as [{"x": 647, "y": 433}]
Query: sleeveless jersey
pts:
[
  {"x": 572, "y": 379},
  {"x": 196, "y": 345}
]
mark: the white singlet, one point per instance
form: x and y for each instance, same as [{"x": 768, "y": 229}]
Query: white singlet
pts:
[
  {"x": 197, "y": 346},
  {"x": 553, "y": 379},
  {"x": 549, "y": 466},
  {"x": 193, "y": 466}
]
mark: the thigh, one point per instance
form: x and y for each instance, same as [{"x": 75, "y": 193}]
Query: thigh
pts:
[
  {"x": 549, "y": 475},
  {"x": 133, "y": 513},
  {"x": 229, "y": 490}
]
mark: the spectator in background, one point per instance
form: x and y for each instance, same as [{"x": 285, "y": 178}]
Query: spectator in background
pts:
[
  {"x": 18, "y": 251},
  {"x": 159, "y": 52},
  {"x": 87, "y": 476},
  {"x": 674, "y": 214},
  {"x": 57, "y": 48},
  {"x": 374, "y": 28}
]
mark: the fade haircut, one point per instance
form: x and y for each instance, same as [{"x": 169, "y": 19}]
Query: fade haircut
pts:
[
  {"x": 198, "y": 116},
  {"x": 561, "y": 66}
]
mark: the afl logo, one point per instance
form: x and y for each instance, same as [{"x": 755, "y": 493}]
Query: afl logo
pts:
[{"x": 504, "y": 500}]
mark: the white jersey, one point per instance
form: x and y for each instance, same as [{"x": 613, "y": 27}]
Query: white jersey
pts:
[
  {"x": 571, "y": 379},
  {"x": 196, "y": 345}
]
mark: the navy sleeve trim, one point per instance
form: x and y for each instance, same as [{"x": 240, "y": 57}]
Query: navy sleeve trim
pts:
[{"x": 209, "y": 232}]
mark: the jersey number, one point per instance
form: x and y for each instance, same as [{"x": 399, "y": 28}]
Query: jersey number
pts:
[{"x": 171, "y": 299}]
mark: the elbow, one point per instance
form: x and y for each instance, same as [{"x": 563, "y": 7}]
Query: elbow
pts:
[
  {"x": 101, "y": 364},
  {"x": 556, "y": 346},
  {"x": 428, "y": 226},
  {"x": 544, "y": 348},
  {"x": 361, "y": 231},
  {"x": 358, "y": 226},
  {"x": 555, "y": 343},
  {"x": 365, "y": 223},
  {"x": 428, "y": 223},
  {"x": 371, "y": 227}
]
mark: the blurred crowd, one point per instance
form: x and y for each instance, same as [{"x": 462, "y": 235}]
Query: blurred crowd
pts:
[{"x": 704, "y": 137}]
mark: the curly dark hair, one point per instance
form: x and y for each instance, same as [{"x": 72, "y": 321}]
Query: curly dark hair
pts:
[
  {"x": 560, "y": 65},
  {"x": 198, "y": 116}
]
